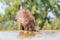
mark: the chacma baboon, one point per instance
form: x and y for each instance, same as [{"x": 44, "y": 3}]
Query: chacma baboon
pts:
[{"x": 26, "y": 20}]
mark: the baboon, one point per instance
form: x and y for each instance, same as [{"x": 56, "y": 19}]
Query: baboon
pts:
[{"x": 25, "y": 19}]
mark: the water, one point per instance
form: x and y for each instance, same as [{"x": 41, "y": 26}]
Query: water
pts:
[{"x": 29, "y": 36}]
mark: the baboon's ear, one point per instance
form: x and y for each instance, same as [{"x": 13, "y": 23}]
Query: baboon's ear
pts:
[{"x": 20, "y": 6}]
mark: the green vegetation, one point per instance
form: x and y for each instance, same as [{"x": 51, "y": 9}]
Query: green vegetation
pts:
[{"x": 39, "y": 8}]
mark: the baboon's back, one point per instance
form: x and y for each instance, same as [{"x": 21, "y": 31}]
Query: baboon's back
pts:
[{"x": 25, "y": 18}]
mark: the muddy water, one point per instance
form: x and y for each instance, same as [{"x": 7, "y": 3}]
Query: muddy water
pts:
[{"x": 29, "y": 36}]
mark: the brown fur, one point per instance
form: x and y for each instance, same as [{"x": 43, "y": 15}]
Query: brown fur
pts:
[{"x": 26, "y": 20}]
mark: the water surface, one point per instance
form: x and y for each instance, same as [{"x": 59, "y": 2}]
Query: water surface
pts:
[{"x": 8, "y": 35}]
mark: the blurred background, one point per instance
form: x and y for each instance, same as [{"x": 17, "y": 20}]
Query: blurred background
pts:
[{"x": 46, "y": 13}]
